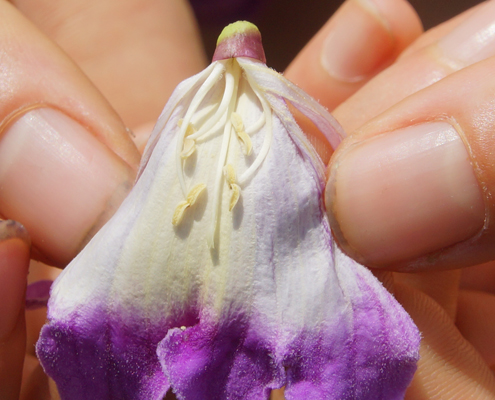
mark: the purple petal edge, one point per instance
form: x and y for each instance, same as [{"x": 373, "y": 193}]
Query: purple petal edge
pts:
[
  {"x": 96, "y": 357},
  {"x": 220, "y": 361}
]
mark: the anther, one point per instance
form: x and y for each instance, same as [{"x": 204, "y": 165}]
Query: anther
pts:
[
  {"x": 191, "y": 199},
  {"x": 188, "y": 148},
  {"x": 241, "y": 133},
  {"x": 234, "y": 197},
  {"x": 234, "y": 187},
  {"x": 189, "y": 145},
  {"x": 179, "y": 212}
]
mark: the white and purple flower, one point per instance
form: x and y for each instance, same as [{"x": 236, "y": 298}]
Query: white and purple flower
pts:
[{"x": 218, "y": 277}]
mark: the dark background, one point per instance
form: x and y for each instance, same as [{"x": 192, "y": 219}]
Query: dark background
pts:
[{"x": 286, "y": 25}]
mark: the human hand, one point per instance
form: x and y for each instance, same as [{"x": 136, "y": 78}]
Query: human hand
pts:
[
  {"x": 411, "y": 188},
  {"x": 66, "y": 158}
]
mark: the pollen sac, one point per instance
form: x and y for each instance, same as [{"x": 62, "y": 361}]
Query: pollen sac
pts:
[
  {"x": 189, "y": 148},
  {"x": 192, "y": 197},
  {"x": 247, "y": 145}
]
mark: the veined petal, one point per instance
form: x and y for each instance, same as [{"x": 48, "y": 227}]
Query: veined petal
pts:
[
  {"x": 246, "y": 291},
  {"x": 272, "y": 82}
]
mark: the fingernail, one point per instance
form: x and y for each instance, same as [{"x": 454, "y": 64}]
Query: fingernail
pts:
[
  {"x": 359, "y": 43},
  {"x": 59, "y": 181},
  {"x": 404, "y": 194},
  {"x": 14, "y": 261},
  {"x": 474, "y": 39}
]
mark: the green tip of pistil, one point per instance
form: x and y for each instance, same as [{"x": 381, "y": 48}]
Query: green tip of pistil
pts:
[{"x": 238, "y": 28}]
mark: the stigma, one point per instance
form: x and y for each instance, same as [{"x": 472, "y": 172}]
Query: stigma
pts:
[{"x": 230, "y": 110}]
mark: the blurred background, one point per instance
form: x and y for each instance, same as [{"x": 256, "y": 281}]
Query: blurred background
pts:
[{"x": 286, "y": 25}]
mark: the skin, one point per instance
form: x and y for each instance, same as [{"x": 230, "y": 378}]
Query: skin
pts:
[{"x": 118, "y": 77}]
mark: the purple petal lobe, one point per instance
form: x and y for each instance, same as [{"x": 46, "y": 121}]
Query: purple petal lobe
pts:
[
  {"x": 219, "y": 361},
  {"x": 374, "y": 357},
  {"x": 100, "y": 358},
  {"x": 37, "y": 294}
]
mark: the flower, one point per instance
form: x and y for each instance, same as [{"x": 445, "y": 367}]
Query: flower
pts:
[{"x": 218, "y": 276}]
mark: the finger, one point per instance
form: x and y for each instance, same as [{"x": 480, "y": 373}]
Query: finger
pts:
[
  {"x": 449, "y": 367},
  {"x": 412, "y": 190},
  {"x": 14, "y": 262},
  {"x": 475, "y": 316},
  {"x": 440, "y": 286},
  {"x": 479, "y": 277},
  {"x": 66, "y": 160},
  {"x": 35, "y": 383},
  {"x": 361, "y": 39},
  {"x": 456, "y": 44},
  {"x": 135, "y": 51}
]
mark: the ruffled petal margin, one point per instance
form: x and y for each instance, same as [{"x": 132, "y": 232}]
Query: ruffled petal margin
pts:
[{"x": 101, "y": 357}]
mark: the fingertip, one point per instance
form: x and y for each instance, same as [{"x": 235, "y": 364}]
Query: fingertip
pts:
[
  {"x": 398, "y": 198},
  {"x": 361, "y": 39},
  {"x": 403, "y": 21},
  {"x": 59, "y": 180},
  {"x": 67, "y": 160}
]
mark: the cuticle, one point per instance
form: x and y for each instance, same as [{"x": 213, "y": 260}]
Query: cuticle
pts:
[
  {"x": 485, "y": 193},
  {"x": 331, "y": 212},
  {"x": 16, "y": 114}
]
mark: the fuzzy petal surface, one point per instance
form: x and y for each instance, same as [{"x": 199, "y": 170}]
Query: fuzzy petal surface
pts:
[{"x": 215, "y": 298}]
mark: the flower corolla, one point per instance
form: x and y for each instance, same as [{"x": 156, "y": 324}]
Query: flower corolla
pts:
[{"x": 218, "y": 277}]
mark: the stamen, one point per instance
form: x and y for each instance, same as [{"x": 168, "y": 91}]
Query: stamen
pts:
[
  {"x": 257, "y": 125},
  {"x": 241, "y": 133},
  {"x": 195, "y": 192},
  {"x": 267, "y": 140},
  {"x": 208, "y": 84},
  {"x": 232, "y": 123},
  {"x": 188, "y": 148},
  {"x": 203, "y": 113},
  {"x": 229, "y": 173},
  {"x": 234, "y": 198},
  {"x": 192, "y": 197},
  {"x": 179, "y": 212},
  {"x": 233, "y": 74},
  {"x": 230, "y": 87}
]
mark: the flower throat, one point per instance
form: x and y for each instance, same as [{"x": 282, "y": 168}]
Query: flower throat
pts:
[{"x": 201, "y": 124}]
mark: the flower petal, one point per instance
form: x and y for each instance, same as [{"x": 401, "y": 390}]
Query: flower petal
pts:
[
  {"x": 272, "y": 82},
  {"x": 96, "y": 356},
  {"x": 229, "y": 300},
  {"x": 375, "y": 356},
  {"x": 219, "y": 361}
]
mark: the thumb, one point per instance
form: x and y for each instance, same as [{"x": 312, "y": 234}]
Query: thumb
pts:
[{"x": 413, "y": 188}]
